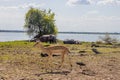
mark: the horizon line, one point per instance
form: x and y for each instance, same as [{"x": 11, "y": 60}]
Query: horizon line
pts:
[{"x": 67, "y": 32}]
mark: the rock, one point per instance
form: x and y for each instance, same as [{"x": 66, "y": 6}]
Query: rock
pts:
[
  {"x": 88, "y": 72},
  {"x": 80, "y": 64}
]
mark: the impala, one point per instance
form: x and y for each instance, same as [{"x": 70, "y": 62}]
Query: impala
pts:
[{"x": 54, "y": 50}]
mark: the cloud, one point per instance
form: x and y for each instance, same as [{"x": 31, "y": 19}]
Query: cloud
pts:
[
  {"x": 8, "y": 7},
  {"x": 106, "y": 2},
  {"x": 93, "y": 12},
  {"x": 23, "y": 6},
  {"x": 93, "y": 2},
  {"x": 77, "y": 2},
  {"x": 31, "y": 5},
  {"x": 6, "y": 0}
]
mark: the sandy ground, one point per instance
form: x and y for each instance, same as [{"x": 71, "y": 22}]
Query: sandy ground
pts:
[
  {"x": 26, "y": 64},
  {"x": 96, "y": 67}
]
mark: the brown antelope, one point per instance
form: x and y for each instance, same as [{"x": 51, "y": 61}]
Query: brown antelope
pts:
[{"x": 54, "y": 50}]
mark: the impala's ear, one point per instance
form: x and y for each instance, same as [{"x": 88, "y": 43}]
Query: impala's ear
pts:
[
  {"x": 38, "y": 40},
  {"x": 35, "y": 44}
]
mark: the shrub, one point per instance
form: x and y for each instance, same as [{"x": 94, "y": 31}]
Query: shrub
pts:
[{"x": 108, "y": 39}]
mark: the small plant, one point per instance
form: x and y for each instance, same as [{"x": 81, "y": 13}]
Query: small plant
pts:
[
  {"x": 99, "y": 42},
  {"x": 108, "y": 39}
]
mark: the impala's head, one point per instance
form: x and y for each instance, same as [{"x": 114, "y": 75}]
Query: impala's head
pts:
[{"x": 37, "y": 43}]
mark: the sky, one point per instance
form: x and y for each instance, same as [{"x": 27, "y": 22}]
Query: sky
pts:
[{"x": 70, "y": 15}]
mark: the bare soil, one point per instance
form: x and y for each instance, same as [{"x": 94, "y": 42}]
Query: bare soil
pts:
[{"x": 26, "y": 63}]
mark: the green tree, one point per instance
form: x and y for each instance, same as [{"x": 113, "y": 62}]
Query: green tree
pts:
[{"x": 40, "y": 22}]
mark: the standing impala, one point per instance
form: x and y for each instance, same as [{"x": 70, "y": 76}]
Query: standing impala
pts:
[{"x": 54, "y": 50}]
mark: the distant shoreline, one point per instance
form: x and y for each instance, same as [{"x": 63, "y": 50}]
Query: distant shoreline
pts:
[
  {"x": 12, "y": 31},
  {"x": 112, "y": 33}
]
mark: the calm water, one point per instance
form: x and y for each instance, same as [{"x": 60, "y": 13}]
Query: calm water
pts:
[{"x": 9, "y": 36}]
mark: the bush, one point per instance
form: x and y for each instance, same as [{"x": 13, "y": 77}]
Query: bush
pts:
[
  {"x": 108, "y": 39},
  {"x": 99, "y": 42}
]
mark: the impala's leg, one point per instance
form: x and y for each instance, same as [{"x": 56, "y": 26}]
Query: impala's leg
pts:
[
  {"x": 50, "y": 61},
  {"x": 62, "y": 59},
  {"x": 50, "y": 58},
  {"x": 70, "y": 62},
  {"x": 47, "y": 62}
]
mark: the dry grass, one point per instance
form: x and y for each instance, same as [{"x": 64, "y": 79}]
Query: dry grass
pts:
[{"x": 20, "y": 61}]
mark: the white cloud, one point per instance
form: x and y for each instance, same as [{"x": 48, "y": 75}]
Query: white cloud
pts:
[
  {"x": 106, "y": 2},
  {"x": 93, "y": 12},
  {"x": 12, "y": 17},
  {"x": 31, "y": 5},
  {"x": 77, "y": 2},
  {"x": 8, "y": 7},
  {"x": 93, "y": 2},
  {"x": 23, "y": 6},
  {"x": 6, "y": 0}
]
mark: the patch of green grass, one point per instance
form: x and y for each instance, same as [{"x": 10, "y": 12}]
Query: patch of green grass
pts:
[{"x": 5, "y": 58}]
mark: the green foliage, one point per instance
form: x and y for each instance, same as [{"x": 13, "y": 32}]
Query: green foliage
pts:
[{"x": 40, "y": 22}]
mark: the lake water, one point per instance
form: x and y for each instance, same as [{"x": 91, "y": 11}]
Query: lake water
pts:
[{"x": 12, "y": 36}]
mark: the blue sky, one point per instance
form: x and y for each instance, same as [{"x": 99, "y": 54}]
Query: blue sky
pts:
[{"x": 71, "y": 15}]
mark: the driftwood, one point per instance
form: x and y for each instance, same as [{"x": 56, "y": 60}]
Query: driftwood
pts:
[
  {"x": 96, "y": 51},
  {"x": 71, "y": 42},
  {"x": 80, "y": 63}
]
